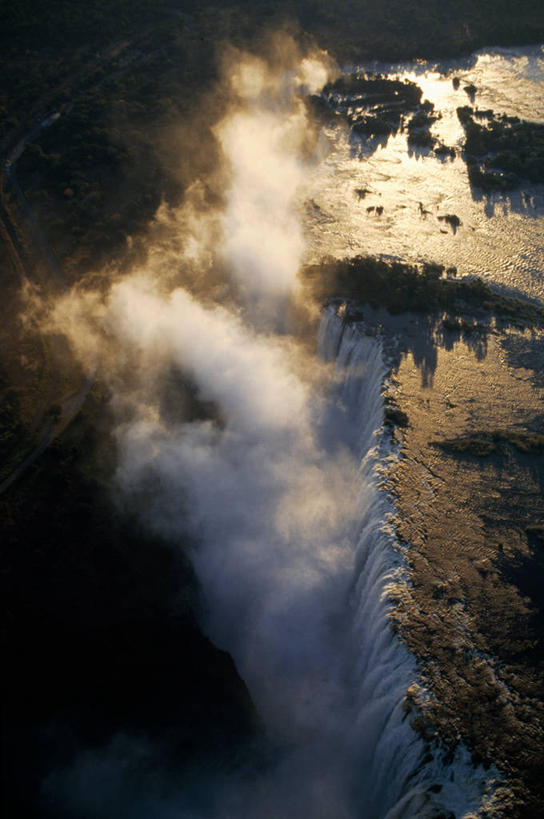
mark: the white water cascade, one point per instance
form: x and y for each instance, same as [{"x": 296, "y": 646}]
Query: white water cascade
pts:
[
  {"x": 395, "y": 775},
  {"x": 304, "y": 609},
  {"x": 295, "y": 553}
]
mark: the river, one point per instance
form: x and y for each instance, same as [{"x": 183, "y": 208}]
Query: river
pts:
[{"x": 398, "y": 179}]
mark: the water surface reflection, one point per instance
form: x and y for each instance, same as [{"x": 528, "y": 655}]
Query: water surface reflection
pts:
[{"x": 409, "y": 191}]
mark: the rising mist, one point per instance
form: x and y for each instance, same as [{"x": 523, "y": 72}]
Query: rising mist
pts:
[{"x": 272, "y": 474}]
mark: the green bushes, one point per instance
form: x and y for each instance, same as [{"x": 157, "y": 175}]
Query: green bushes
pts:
[
  {"x": 501, "y": 150},
  {"x": 373, "y": 105},
  {"x": 395, "y": 416},
  {"x": 400, "y": 286},
  {"x": 11, "y": 426},
  {"x": 377, "y": 88},
  {"x": 481, "y": 444}
]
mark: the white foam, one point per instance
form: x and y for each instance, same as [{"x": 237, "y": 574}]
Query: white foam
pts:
[{"x": 392, "y": 768}]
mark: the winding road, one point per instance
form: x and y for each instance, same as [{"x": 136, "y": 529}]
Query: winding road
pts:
[{"x": 23, "y": 265}]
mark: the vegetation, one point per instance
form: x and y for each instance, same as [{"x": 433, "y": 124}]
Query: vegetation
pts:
[
  {"x": 91, "y": 186},
  {"x": 27, "y": 378},
  {"x": 400, "y": 286},
  {"x": 536, "y": 533},
  {"x": 371, "y": 104},
  {"x": 445, "y": 151},
  {"x": 120, "y": 71},
  {"x": 482, "y": 444},
  {"x": 420, "y": 139},
  {"x": 98, "y": 174},
  {"x": 460, "y": 325},
  {"x": 419, "y": 127},
  {"x": 377, "y": 106},
  {"x": 501, "y": 151},
  {"x": 402, "y": 29},
  {"x": 11, "y": 425},
  {"x": 394, "y": 416},
  {"x": 376, "y": 88}
]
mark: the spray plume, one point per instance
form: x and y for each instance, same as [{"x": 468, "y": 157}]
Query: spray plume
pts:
[{"x": 277, "y": 485}]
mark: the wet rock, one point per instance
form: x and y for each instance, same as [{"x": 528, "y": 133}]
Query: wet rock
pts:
[
  {"x": 451, "y": 219},
  {"x": 362, "y": 192},
  {"x": 396, "y": 416}
]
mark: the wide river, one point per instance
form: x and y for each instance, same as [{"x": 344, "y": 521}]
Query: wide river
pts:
[{"x": 508, "y": 81}]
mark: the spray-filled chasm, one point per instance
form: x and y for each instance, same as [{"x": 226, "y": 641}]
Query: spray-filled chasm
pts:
[{"x": 278, "y": 484}]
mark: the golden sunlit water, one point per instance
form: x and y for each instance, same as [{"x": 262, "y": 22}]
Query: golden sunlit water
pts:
[
  {"x": 415, "y": 187},
  {"x": 465, "y": 518}
]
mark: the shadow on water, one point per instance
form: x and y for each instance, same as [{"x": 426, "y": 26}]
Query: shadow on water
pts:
[
  {"x": 526, "y": 571},
  {"x": 424, "y": 332},
  {"x": 361, "y": 147},
  {"x": 422, "y": 336},
  {"x": 423, "y": 67},
  {"x": 526, "y": 352},
  {"x": 424, "y": 349},
  {"x": 419, "y": 152},
  {"x": 526, "y": 203},
  {"x": 444, "y": 158},
  {"x": 527, "y": 575},
  {"x": 431, "y": 333},
  {"x": 475, "y": 338}
]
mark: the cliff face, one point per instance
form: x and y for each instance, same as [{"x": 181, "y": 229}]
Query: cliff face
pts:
[
  {"x": 101, "y": 638},
  {"x": 468, "y": 492}
]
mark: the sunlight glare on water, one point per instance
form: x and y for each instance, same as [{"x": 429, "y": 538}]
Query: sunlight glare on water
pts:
[{"x": 415, "y": 187}]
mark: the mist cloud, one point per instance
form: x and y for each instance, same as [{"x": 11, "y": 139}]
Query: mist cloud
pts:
[
  {"x": 262, "y": 479},
  {"x": 264, "y": 140},
  {"x": 262, "y": 487},
  {"x": 263, "y": 474}
]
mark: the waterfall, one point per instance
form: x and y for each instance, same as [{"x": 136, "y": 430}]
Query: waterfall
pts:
[
  {"x": 295, "y": 553},
  {"x": 395, "y": 774},
  {"x": 279, "y": 490}
]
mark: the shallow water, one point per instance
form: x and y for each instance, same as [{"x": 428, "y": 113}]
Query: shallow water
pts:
[
  {"x": 398, "y": 179},
  {"x": 467, "y": 616}
]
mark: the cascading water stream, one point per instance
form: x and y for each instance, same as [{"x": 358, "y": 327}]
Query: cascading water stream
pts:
[
  {"x": 386, "y": 750},
  {"x": 392, "y": 768},
  {"x": 310, "y": 630},
  {"x": 295, "y": 555}
]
